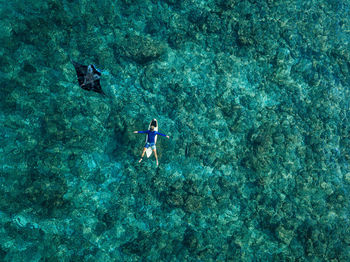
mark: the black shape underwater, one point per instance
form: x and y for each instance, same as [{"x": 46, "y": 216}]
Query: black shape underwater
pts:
[{"x": 88, "y": 77}]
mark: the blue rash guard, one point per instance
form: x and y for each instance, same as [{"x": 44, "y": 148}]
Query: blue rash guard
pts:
[{"x": 151, "y": 135}]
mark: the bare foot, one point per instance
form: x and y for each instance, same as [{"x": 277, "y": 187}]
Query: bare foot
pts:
[{"x": 140, "y": 160}]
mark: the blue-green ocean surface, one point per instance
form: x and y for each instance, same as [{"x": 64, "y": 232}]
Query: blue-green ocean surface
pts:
[{"x": 253, "y": 94}]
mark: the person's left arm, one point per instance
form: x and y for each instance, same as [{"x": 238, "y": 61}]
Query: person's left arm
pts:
[{"x": 161, "y": 134}]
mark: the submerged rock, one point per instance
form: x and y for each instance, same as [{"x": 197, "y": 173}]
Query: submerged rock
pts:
[{"x": 140, "y": 49}]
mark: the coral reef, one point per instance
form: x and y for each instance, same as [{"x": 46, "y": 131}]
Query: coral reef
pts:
[{"x": 253, "y": 94}]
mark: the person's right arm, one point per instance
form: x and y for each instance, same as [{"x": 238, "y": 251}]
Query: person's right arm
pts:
[{"x": 141, "y": 132}]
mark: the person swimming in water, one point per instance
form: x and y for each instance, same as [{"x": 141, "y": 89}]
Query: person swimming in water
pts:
[{"x": 151, "y": 135}]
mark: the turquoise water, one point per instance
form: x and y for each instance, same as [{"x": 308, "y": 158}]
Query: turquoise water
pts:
[{"x": 253, "y": 94}]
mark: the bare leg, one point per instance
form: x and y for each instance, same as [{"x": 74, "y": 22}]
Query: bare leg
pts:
[
  {"x": 155, "y": 155},
  {"x": 143, "y": 153}
]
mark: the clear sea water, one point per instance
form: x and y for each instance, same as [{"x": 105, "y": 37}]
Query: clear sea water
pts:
[{"x": 254, "y": 96}]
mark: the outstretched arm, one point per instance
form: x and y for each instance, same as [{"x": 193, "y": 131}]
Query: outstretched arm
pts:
[
  {"x": 161, "y": 134},
  {"x": 140, "y": 132}
]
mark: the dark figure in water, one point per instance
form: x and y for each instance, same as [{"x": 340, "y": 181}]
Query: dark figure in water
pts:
[{"x": 88, "y": 77}]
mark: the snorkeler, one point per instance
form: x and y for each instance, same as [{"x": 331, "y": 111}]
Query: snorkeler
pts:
[{"x": 151, "y": 140}]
